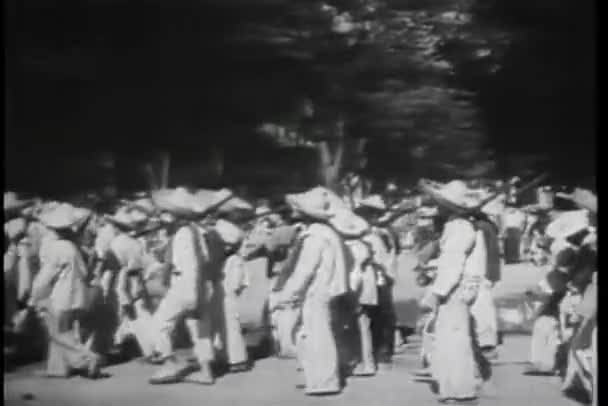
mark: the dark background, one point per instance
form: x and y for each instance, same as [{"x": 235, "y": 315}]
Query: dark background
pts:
[{"x": 133, "y": 76}]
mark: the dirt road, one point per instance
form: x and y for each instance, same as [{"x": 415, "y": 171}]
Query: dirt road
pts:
[{"x": 272, "y": 381}]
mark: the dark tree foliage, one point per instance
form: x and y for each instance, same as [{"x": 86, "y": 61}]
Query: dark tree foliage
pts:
[{"x": 438, "y": 88}]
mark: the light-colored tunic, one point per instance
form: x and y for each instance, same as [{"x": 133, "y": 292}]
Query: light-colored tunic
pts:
[
  {"x": 21, "y": 264},
  {"x": 62, "y": 278},
  {"x": 363, "y": 284},
  {"x": 284, "y": 319},
  {"x": 382, "y": 255},
  {"x": 228, "y": 327},
  {"x": 319, "y": 276},
  {"x": 62, "y": 284},
  {"x": 460, "y": 267},
  {"x": 188, "y": 296},
  {"x": 130, "y": 292},
  {"x": 486, "y": 316}
]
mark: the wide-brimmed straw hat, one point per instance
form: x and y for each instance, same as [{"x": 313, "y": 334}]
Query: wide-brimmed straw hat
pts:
[
  {"x": 64, "y": 216},
  {"x": 179, "y": 202},
  {"x": 585, "y": 199},
  {"x": 223, "y": 200},
  {"x": 319, "y": 203},
  {"x": 13, "y": 203},
  {"x": 348, "y": 224},
  {"x": 229, "y": 232},
  {"x": 144, "y": 204},
  {"x": 455, "y": 195},
  {"x": 128, "y": 218},
  {"x": 375, "y": 202},
  {"x": 568, "y": 224}
]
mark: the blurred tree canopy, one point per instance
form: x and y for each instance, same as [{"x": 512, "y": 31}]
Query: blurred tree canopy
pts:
[{"x": 403, "y": 89}]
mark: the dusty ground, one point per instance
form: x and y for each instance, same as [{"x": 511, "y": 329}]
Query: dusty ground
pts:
[{"x": 272, "y": 381}]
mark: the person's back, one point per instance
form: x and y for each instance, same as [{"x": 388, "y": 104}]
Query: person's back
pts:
[{"x": 64, "y": 275}]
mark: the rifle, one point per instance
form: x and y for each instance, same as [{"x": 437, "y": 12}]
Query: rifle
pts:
[{"x": 492, "y": 196}]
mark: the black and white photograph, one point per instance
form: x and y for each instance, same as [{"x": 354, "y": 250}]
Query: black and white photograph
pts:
[{"x": 300, "y": 202}]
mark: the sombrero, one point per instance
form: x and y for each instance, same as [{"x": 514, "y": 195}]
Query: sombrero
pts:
[
  {"x": 144, "y": 204},
  {"x": 348, "y": 224},
  {"x": 64, "y": 216},
  {"x": 179, "y": 202},
  {"x": 407, "y": 205},
  {"x": 229, "y": 232},
  {"x": 13, "y": 203},
  {"x": 373, "y": 202},
  {"x": 568, "y": 224},
  {"x": 223, "y": 200},
  {"x": 585, "y": 199},
  {"x": 319, "y": 203},
  {"x": 455, "y": 195}
]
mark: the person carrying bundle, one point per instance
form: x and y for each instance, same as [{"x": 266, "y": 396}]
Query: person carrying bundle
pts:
[
  {"x": 234, "y": 281},
  {"x": 197, "y": 254},
  {"x": 513, "y": 226},
  {"x": 61, "y": 293},
  {"x": 363, "y": 285},
  {"x": 123, "y": 277},
  {"x": 319, "y": 280},
  {"x": 546, "y": 335},
  {"x": 384, "y": 261},
  {"x": 461, "y": 268}
]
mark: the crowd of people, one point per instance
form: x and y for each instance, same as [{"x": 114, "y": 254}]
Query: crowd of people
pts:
[{"x": 166, "y": 269}]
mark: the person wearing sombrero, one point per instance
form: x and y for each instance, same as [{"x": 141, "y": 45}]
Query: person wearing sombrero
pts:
[
  {"x": 384, "y": 261},
  {"x": 280, "y": 243},
  {"x": 484, "y": 309},
  {"x": 533, "y": 239},
  {"x": 123, "y": 279},
  {"x": 576, "y": 268},
  {"x": 319, "y": 278},
  {"x": 572, "y": 265},
  {"x": 61, "y": 293},
  {"x": 189, "y": 296},
  {"x": 461, "y": 269},
  {"x": 231, "y": 350},
  {"x": 365, "y": 290},
  {"x": 227, "y": 208},
  {"x": 196, "y": 253},
  {"x": 19, "y": 269},
  {"x": 513, "y": 222},
  {"x": 226, "y": 324},
  {"x": 584, "y": 342}
]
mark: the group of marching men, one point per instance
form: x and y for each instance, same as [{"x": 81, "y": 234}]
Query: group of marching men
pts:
[
  {"x": 565, "y": 326},
  {"x": 180, "y": 256}
]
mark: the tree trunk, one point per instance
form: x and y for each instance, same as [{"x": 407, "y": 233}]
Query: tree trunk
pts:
[
  {"x": 330, "y": 164},
  {"x": 150, "y": 177},
  {"x": 165, "y": 164}
]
